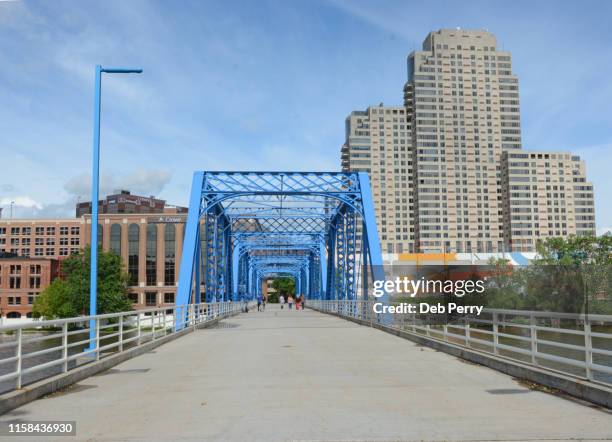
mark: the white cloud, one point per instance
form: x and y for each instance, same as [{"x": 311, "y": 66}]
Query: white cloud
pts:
[
  {"x": 143, "y": 182},
  {"x": 20, "y": 201}
]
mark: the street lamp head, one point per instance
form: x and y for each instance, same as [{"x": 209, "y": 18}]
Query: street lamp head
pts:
[{"x": 121, "y": 71}]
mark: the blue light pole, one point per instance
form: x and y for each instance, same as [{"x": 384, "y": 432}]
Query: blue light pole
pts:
[{"x": 95, "y": 182}]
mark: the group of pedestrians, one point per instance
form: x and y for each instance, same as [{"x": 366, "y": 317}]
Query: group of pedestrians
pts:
[
  {"x": 261, "y": 303},
  {"x": 300, "y": 302}
]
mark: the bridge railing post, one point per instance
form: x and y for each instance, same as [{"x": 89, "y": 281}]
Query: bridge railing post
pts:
[
  {"x": 588, "y": 349},
  {"x": 19, "y": 353},
  {"x": 495, "y": 333},
  {"x": 534, "y": 337},
  {"x": 97, "y": 339},
  {"x": 138, "y": 329},
  {"x": 65, "y": 346},
  {"x": 120, "y": 337}
]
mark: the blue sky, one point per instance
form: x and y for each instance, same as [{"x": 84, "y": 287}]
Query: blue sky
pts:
[{"x": 263, "y": 85}]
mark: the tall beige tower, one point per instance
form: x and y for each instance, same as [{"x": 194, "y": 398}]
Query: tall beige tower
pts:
[
  {"x": 378, "y": 141},
  {"x": 463, "y": 102}
]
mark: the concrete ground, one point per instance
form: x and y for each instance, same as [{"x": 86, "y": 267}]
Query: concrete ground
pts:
[{"x": 302, "y": 375}]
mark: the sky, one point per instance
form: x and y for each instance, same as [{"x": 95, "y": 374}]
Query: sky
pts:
[{"x": 263, "y": 85}]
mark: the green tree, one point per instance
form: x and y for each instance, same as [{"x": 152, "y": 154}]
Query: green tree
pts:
[
  {"x": 284, "y": 286},
  {"x": 578, "y": 271},
  {"x": 504, "y": 286},
  {"x": 68, "y": 296},
  {"x": 569, "y": 275}
]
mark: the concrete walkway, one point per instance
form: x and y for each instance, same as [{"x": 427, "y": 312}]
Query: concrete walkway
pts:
[{"x": 293, "y": 375}]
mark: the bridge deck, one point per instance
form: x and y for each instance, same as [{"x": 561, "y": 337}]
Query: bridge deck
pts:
[{"x": 283, "y": 375}]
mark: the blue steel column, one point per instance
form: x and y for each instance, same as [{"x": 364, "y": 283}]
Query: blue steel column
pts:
[
  {"x": 235, "y": 270},
  {"x": 341, "y": 256},
  {"x": 371, "y": 232},
  {"x": 330, "y": 291},
  {"x": 365, "y": 263},
  {"x": 197, "y": 268},
  {"x": 323, "y": 274},
  {"x": 192, "y": 227},
  {"x": 350, "y": 255},
  {"x": 95, "y": 185}
]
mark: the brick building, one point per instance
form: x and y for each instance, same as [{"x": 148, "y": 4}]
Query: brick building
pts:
[
  {"x": 21, "y": 280},
  {"x": 150, "y": 246},
  {"x": 124, "y": 202}
]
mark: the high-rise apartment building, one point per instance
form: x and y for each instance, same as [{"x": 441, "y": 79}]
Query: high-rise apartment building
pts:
[
  {"x": 378, "y": 141},
  {"x": 463, "y": 100},
  {"x": 443, "y": 191},
  {"x": 544, "y": 194}
]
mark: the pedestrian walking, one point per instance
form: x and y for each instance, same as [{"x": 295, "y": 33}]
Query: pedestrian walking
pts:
[
  {"x": 259, "y": 301},
  {"x": 281, "y": 300},
  {"x": 290, "y": 302}
]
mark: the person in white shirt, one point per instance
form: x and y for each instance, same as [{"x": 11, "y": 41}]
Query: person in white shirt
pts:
[{"x": 281, "y": 299}]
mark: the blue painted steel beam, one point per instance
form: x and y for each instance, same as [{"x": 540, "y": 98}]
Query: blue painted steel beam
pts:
[{"x": 190, "y": 244}]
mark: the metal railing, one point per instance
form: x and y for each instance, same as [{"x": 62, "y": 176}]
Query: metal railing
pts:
[
  {"x": 33, "y": 351},
  {"x": 575, "y": 344}
]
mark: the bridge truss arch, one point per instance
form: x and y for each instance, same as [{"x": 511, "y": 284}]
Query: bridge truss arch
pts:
[{"x": 243, "y": 227}]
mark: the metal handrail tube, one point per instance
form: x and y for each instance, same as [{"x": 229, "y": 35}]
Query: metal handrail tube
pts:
[
  {"x": 517, "y": 337},
  {"x": 601, "y": 351},
  {"x": 567, "y": 331},
  {"x": 560, "y": 359},
  {"x": 514, "y": 349},
  {"x": 112, "y": 335},
  {"x": 44, "y": 338},
  {"x": 8, "y": 376},
  {"x": 41, "y": 352},
  {"x": 8, "y": 344},
  {"x": 108, "y": 346},
  {"x": 38, "y": 367},
  {"x": 599, "y": 367},
  {"x": 561, "y": 345},
  {"x": 11, "y": 359},
  {"x": 481, "y": 341},
  {"x": 74, "y": 344}
]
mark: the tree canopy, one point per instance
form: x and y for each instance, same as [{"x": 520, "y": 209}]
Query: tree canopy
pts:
[
  {"x": 284, "y": 285},
  {"x": 68, "y": 295},
  {"x": 570, "y": 275}
]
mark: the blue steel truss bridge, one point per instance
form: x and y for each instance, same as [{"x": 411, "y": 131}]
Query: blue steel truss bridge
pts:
[{"x": 244, "y": 227}]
